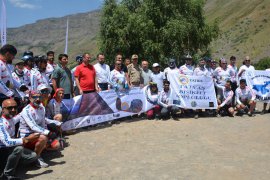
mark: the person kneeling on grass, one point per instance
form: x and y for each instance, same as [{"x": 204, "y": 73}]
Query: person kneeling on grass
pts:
[
  {"x": 245, "y": 98},
  {"x": 165, "y": 102},
  {"x": 12, "y": 152},
  {"x": 152, "y": 97},
  {"x": 33, "y": 120},
  {"x": 226, "y": 99}
]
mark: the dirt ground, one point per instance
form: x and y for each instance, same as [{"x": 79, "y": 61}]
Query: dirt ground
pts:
[{"x": 204, "y": 148}]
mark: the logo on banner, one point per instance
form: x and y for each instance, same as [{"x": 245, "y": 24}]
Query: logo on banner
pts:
[
  {"x": 193, "y": 104},
  {"x": 184, "y": 80}
]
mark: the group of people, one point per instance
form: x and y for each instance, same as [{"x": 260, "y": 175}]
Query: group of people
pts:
[{"x": 32, "y": 92}]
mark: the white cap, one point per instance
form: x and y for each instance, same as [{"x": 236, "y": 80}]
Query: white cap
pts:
[
  {"x": 155, "y": 65},
  {"x": 44, "y": 86}
]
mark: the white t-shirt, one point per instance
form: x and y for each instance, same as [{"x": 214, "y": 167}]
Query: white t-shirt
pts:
[{"x": 158, "y": 78}]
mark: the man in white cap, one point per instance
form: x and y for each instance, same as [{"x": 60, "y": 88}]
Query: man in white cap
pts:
[
  {"x": 187, "y": 69},
  {"x": 157, "y": 76}
]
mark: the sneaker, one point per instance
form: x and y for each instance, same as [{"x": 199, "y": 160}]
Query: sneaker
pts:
[
  {"x": 250, "y": 114},
  {"x": 41, "y": 164},
  {"x": 196, "y": 116}
]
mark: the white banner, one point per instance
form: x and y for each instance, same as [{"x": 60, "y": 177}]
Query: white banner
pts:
[
  {"x": 93, "y": 108},
  {"x": 66, "y": 46},
  {"x": 259, "y": 81},
  {"x": 3, "y": 24},
  {"x": 193, "y": 92}
]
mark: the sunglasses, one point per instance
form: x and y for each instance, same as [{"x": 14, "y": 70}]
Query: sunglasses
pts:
[
  {"x": 45, "y": 91},
  {"x": 36, "y": 97},
  {"x": 118, "y": 64},
  {"x": 11, "y": 107}
]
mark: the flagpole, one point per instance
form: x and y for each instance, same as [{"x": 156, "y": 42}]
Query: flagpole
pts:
[
  {"x": 66, "y": 47},
  {"x": 3, "y": 24}
]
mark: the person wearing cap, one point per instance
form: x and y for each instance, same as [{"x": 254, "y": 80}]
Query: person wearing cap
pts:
[
  {"x": 29, "y": 62},
  {"x": 62, "y": 77},
  {"x": 102, "y": 72},
  {"x": 78, "y": 59},
  {"x": 33, "y": 120},
  {"x": 245, "y": 69},
  {"x": 187, "y": 68},
  {"x": 12, "y": 152},
  {"x": 245, "y": 98},
  {"x": 151, "y": 92},
  {"x": 21, "y": 88},
  {"x": 157, "y": 76},
  {"x": 135, "y": 73},
  {"x": 85, "y": 76},
  {"x": 171, "y": 71},
  {"x": 146, "y": 72},
  {"x": 7, "y": 54},
  {"x": 45, "y": 91},
  {"x": 38, "y": 75},
  {"x": 50, "y": 65}
]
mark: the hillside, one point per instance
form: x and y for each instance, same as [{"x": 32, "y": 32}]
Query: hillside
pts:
[
  {"x": 49, "y": 34},
  {"x": 244, "y": 26}
]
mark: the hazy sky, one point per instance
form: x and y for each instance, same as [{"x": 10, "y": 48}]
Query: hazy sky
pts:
[{"x": 21, "y": 12}]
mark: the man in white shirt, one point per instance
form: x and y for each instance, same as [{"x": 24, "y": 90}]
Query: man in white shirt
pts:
[
  {"x": 245, "y": 69},
  {"x": 187, "y": 69},
  {"x": 7, "y": 54},
  {"x": 157, "y": 76},
  {"x": 245, "y": 98},
  {"x": 102, "y": 72}
]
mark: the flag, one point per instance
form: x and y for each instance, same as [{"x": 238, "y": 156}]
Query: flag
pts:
[
  {"x": 3, "y": 24},
  {"x": 66, "y": 47}
]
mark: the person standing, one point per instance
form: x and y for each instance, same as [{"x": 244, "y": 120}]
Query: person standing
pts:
[
  {"x": 12, "y": 151},
  {"x": 187, "y": 69},
  {"x": 135, "y": 73},
  {"x": 146, "y": 73},
  {"x": 85, "y": 76},
  {"x": 50, "y": 65},
  {"x": 102, "y": 72},
  {"x": 118, "y": 78},
  {"x": 245, "y": 69},
  {"x": 62, "y": 77},
  {"x": 7, "y": 54},
  {"x": 157, "y": 76}
]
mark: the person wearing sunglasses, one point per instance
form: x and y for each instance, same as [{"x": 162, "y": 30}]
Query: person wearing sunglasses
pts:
[
  {"x": 33, "y": 120},
  {"x": 245, "y": 69},
  {"x": 12, "y": 152}
]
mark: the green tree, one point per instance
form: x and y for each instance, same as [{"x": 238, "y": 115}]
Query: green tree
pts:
[
  {"x": 263, "y": 64},
  {"x": 155, "y": 30}
]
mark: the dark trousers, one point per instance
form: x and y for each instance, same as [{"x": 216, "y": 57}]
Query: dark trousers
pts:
[
  {"x": 103, "y": 86},
  {"x": 10, "y": 158},
  {"x": 165, "y": 112},
  {"x": 87, "y": 92}
]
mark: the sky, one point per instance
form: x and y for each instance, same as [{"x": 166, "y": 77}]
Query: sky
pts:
[{"x": 21, "y": 12}]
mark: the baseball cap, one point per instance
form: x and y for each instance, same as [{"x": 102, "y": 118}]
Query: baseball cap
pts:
[
  {"x": 44, "y": 86},
  {"x": 155, "y": 65},
  {"x": 222, "y": 60},
  {"x": 134, "y": 56}
]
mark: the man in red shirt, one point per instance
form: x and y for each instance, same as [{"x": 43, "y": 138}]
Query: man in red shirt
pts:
[{"x": 85, "y": 76}]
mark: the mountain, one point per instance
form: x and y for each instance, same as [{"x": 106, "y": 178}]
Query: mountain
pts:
[
  {"x": 244, "y": 26},
  {"x": 50, "y": 34}
]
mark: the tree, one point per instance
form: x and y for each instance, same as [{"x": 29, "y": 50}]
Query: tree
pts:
[
  {"x": 155, "y": 30},
  {"x": 263, "y": 64}
]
